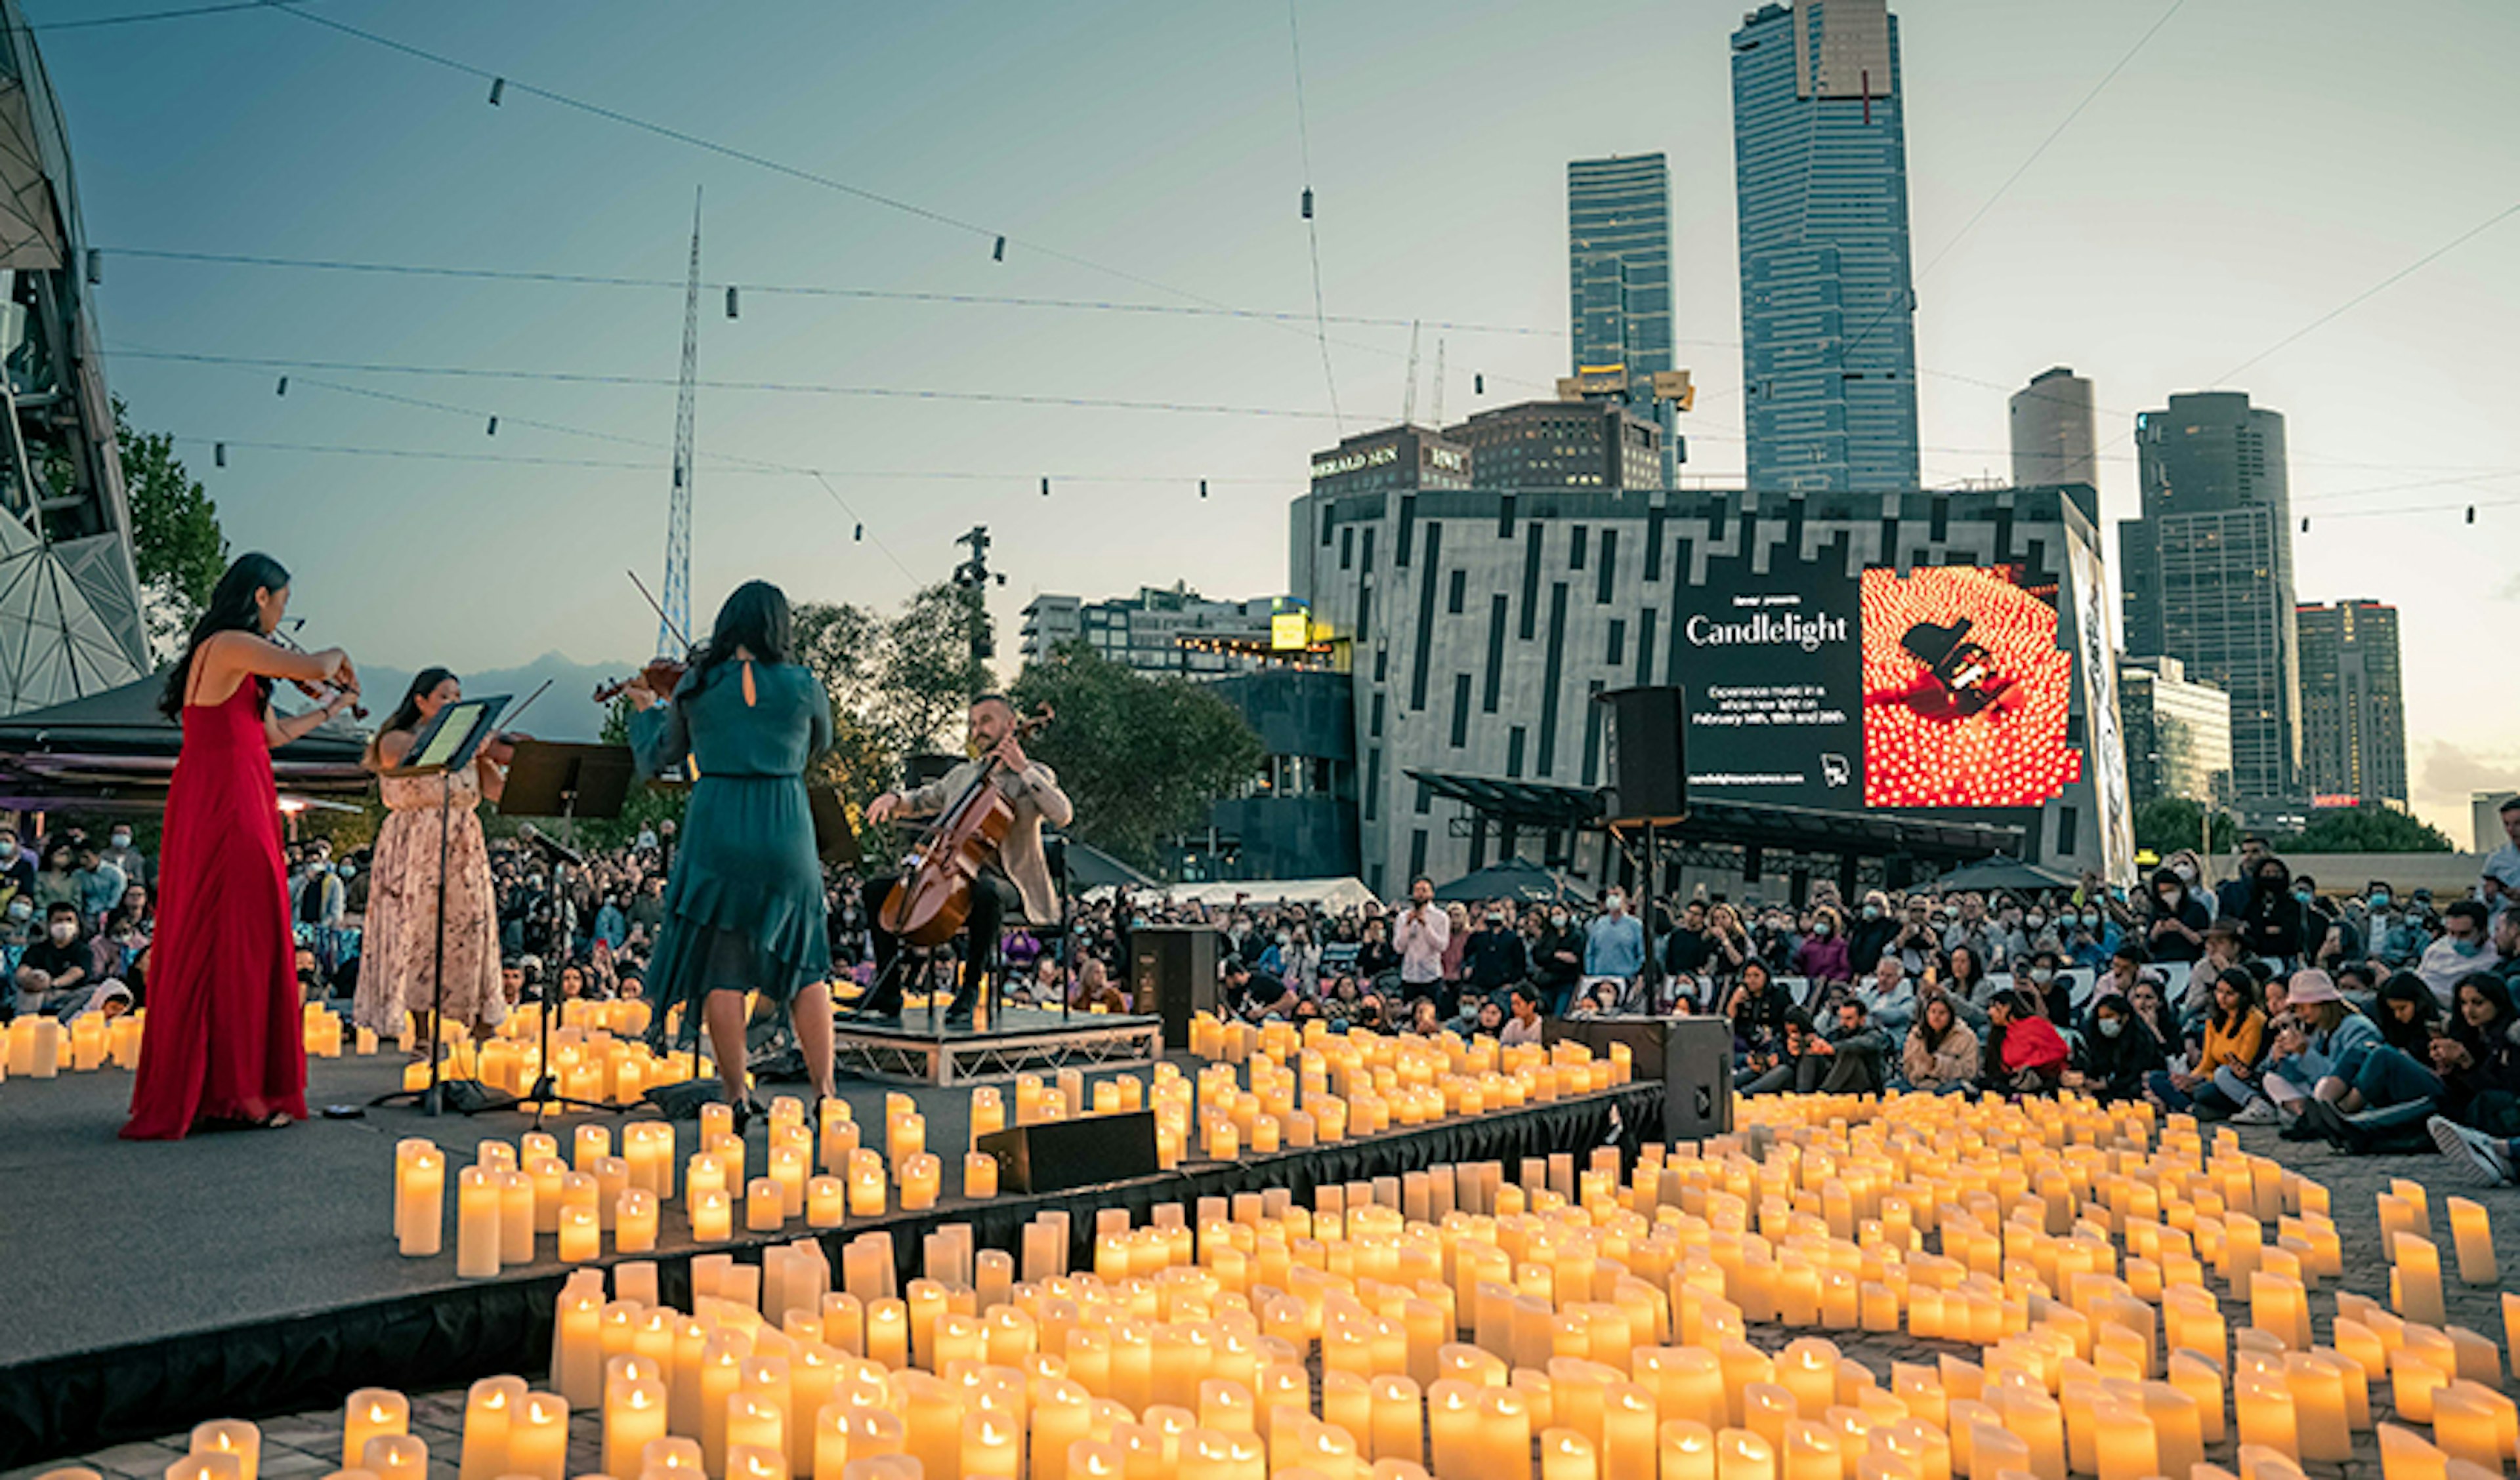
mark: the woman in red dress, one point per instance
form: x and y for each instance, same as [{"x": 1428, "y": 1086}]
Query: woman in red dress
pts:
[{"x": 224, "y": 1045}]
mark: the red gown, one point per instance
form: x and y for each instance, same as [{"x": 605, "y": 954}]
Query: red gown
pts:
[{"x": 224, "y": 1038}]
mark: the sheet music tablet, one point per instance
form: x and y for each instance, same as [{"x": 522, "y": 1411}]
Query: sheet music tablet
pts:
[{"x": 452, "y": 737}]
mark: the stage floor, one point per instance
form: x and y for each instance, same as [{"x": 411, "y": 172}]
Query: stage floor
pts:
[{"x": 256, "y": 1271}]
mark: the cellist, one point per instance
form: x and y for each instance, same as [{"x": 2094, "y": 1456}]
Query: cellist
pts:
[{"x": 1019, "y": 877}]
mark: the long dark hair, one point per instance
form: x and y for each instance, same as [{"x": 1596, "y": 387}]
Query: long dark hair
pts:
[
  {"x": 231, "y": 610},
  {"x": 407, "y": 713},
  {"x": 753, "y": 618}
]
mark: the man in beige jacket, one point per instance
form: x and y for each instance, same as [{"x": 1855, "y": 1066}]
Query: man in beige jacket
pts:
[{"x": 1017, "y": 882}]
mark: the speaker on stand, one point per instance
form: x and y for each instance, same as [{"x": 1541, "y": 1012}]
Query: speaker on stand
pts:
[{"x": 1646, "y": 743}]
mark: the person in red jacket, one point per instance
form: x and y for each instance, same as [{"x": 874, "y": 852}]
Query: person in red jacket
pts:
[{"x": 2025, "y": 1054}]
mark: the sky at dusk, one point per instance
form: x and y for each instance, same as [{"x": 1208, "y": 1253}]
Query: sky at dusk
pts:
[{"x": 2254, "y": 166}]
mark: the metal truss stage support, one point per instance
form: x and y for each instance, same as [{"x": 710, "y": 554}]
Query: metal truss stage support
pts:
[{"x": 909, "y": 1052}]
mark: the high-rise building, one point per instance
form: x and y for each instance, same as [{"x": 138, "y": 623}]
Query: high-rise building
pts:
[
  {"x": 2208, "y": 572},
  {"x": 2052, "y": 441},
  {"x": 1819, "y": 151},
  {"x": 2352, "y": 704},
  {"x": 2177, "y": 733},
  {"x": 1618, "y": 263},
  {"x": 1541, "y": 445}
]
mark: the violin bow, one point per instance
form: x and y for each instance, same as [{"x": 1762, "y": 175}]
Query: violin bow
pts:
[{"x": 653, "y": 605}]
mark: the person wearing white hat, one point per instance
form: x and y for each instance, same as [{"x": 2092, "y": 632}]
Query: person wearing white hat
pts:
[{"x": 2318, "y": 1051}]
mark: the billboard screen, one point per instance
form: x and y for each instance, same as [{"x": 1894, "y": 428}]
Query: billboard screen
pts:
[
  {"x": 1966, "y": 690},
  {"x": 1773, "y": 670}
]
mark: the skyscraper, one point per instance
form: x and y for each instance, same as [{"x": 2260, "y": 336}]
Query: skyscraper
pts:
[
  {"x": 2051, "y": 435},
  {"x": 1618, "y": 261},
  {"x": 2208, "y": 572},
  {"x": 2353, "y": 705},
  {"x": 1820, "y": 153},
  {"x": 2177, "y": 733}
]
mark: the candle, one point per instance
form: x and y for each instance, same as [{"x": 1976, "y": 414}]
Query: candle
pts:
[
  {"x": 1063, "y": 1414},
  {"x": 2415, "y": 1283},
  {"x": 634, "y": 1414},
  {"x": 538, "y": 1437},
  {"x": 1688, "y": 1450},
  {"x": 488, "y": 1412},
  {"x": 826, "y": 1202},
  {"x": 581, "y": 1235},
  {"x": 476, "y": 1227},
  {"x": 1811, "y": 1452},
  {"x": 237, "y": 1438},
  {"x": 991, "y": 1447},
  {"x": 1741, "y": 1454},
  {"x": 712, "y": 1216},
  {"x": 980, "y": 1175},
  {"x": 206, "y": 1467},
  {"x": 1505, "y": 1432},
  {"x": 2473, "y": 1234},
  {"x": 420, "y": 1200},
  {"x": 371, "y": 1412},
  {"x": 1565, "y": 1455},
  {"x": 765, "y": 1205},
  {"x": 919, "y": 1175},
  {"x": 2405, "y": 1457},
  {"x": 395, "y": 1456},
  {"x": 515, "y": 1218},
  {"x": 2123, "y": 1439},
  {"x": 635, "y": 1219}
]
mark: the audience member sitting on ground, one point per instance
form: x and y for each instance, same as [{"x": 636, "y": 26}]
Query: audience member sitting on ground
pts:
[
  {"x": 1888, "y": 999},
  {"x": 1525, "y": 1025},
  {"x": 2234, "y": 1041},
  {"x": 2024, "y": 1053},
  {"x": 2461, "y": 949},
  {"x": 2117, "y": 1055},
  {"x": 2325, "y": 1033},
  {"x": 1846, "y": 1060},
  {"x": 1941, "y": 1055}
]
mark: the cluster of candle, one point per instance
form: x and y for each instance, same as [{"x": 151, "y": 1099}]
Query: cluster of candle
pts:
[
  {"x": 2092, "y": 1260},
  {"x": 40, "y": 1048},
  {"x": 597, "y": 1054},
  {"x": 1310, "y": 1085}
]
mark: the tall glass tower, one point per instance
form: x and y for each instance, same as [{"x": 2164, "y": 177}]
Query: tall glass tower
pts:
[
  {"x": 1618, "y": 261},
  {"x": 1819, "y": 156}
]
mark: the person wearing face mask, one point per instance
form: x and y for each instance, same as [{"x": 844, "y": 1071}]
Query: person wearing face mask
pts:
[
  {"x": 2270, "y": 923},
  {"x": 2464, "y": 947},
  {"x": 119, "y": 852},
  {"x": 58, "y": 975},
  {"x": 1495, "y": 959},
  {"x": 1823, "y": 955},
  {"x": 2396, "y": 940},
  {"x": 2117, "y": 1054},
  {"x": 1870, "y": 933},
  {"x": 18, "y": 924},
  {"x": 2089, "y": 935},
  {"x": 17, "y": 870},
  {"x": 2231, "y": 896},
  {"x": 2176, "y": 928},
  {"x": 1558, "y": 959}
]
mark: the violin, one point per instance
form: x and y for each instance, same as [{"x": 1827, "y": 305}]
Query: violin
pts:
[
  {"x": 930, "y": 901},
  {"x": 321, "y": 692},
  {"x": 662, "y": 677}
]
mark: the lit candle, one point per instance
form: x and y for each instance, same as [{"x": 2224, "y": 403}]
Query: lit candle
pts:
[
  {"x": 538, "y": 1437},
  {"x": 371, "y": 1412},
  {"x": 420, "y": 1200},
  {"x": 515, "y": 1218},
  {"x": 489, "y": 1409},
  {"x": 2405, "y": 1457},
  {"x": 712, "y": 1216},
  {"x": 1505, "y": 1432},
  {"x": 236, "y": 1437},
  {"x": 2416, "y": 1280},
  {"x": 980, "y": 1175},
  {"x": 1687, "y": 1451},
  {"x": 765, "y": 1205},
  {"x": 581, "y": 1235},
  {"x": 826, "y": 1202},
  {"x": 920, "y": 1175},
  {"x": 634, "y": 1222},
  {"x": 991, "y": 1447},
  {"x": 395, "y": 1456},
  {"x": 1741, "y": 1454},
  {"x": 1063, "y": 1415},
  {"x": 634, "y": 1414},
  {"x": 1565, "y": 1455},
  {"x": 2473, "y": 1234},
  {"x": 2124, "y": 1440}
]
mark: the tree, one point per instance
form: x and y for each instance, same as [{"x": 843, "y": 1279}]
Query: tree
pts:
[
  {"x": 177, "y": 547},
  {"x": 2167, "y": 824},
  {"x": 926, "y": 675},
  {"x": 1140, "y": 757},
  {"x": 647, "y": 806},
  {"x": 2367, "y": 828}
]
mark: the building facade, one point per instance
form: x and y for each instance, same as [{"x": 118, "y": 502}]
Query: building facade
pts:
[
  {"x": 1392, "y": 458},
  {"x": 1297, "y": 817},
  {"x": 1618, "y": 263},
  {"x": 1828, "y": 354},
  {"x": 2052, "y": 441},
  {"x": 1485, "y": 621},
  {"x": 2352, "y": 704},
  {"x": 1561, "y": 444},
  {"x": 2208, "y": 573},
  {"x": 1145, "y": 631},
  {"x": 2177, "y": 733}
]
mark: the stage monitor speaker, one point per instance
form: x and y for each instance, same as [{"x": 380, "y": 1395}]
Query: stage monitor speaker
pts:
[
  {"x": 922, "y": 769},
  {"x": 1692, "y": 1057},
  {"x": 1054, "y": 1155},
  {"x": 1646, "y": 747},
  {"x": 1172, "y": 975}
]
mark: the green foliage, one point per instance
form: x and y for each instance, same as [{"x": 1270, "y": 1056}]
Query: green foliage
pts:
[
  {"x": 648, "y": 805},
  {"x": 2167, "y": 824},
  {"x": 2366, "y": 829},
  {"x": 1140, "y": 757},
  {"x": 177, "y": 547}
]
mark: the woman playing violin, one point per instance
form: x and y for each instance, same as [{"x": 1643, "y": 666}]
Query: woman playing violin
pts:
[
  {"x": 224, "y": 1045},
  {"x": 744, "y": 908},
  {"x": 399, "y": 974}
]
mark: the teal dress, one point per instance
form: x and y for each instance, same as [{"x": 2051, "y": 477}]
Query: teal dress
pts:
[{"x": 743, "y": 908}]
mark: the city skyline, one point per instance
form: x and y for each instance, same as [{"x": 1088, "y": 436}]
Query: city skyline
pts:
[{"x": 293, "y": 140}]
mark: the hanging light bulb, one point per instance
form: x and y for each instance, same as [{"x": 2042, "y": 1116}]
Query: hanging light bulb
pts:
[
  {"x": 998, "y": 253},
  {"x": 494, "y": 427},
  {"x": 2305, "y": 523},
  {"x": 283, "y": 387},
  {"x": 1202, "y": 488},
  {"x": 860, "y": 536},
  {"x": 95, "y": 267},
  {"x": 1478, "y": 384},
  {"x": 1308, "y": 203},
  {"x": 219, "y": 454},
  {"x": 498, "y": 90},
  {"x": 729, "y": 301},
  {"x": 1045, "y": 487},
  {"x": 2471, "y": 513}
]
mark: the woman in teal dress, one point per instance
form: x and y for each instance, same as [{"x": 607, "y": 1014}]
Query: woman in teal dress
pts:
[{"x": 743, "y": 908}]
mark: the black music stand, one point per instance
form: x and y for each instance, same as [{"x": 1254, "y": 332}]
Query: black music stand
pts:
[
  {"x": 569, "y": 781},
  {"x": 451, "y": 741}
]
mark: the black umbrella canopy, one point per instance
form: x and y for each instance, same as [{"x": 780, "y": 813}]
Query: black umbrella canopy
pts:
[
  {"x": 1513, "y": 878},
  {"x": 114, "y": 750}
]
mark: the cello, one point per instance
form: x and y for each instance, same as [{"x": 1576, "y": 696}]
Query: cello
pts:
[{"x": 930, "y": 901}]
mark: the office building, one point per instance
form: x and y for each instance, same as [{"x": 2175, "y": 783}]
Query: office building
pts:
[
  {"x": 2052, "y": 441},
  {"x": 2208, "y": 572},
  {"x": 1483, "y": 622},
  {"x": 1618, "y": 263},
  {"x": 1392, "y": 458},
  {"x": 1145, "y": 631},
  {"x": 2352, "y": 704},
  {"x": 1540, "y": 445},
  {"x": 1828, "y": 354},
  {"x": 2177, "y": 733}
]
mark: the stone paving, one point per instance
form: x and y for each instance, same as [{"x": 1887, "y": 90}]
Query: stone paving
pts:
[{"x": 307, "y": 1445}]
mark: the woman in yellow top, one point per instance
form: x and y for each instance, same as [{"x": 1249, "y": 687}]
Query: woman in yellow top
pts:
[{"x": 2235, "y": 1039}]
